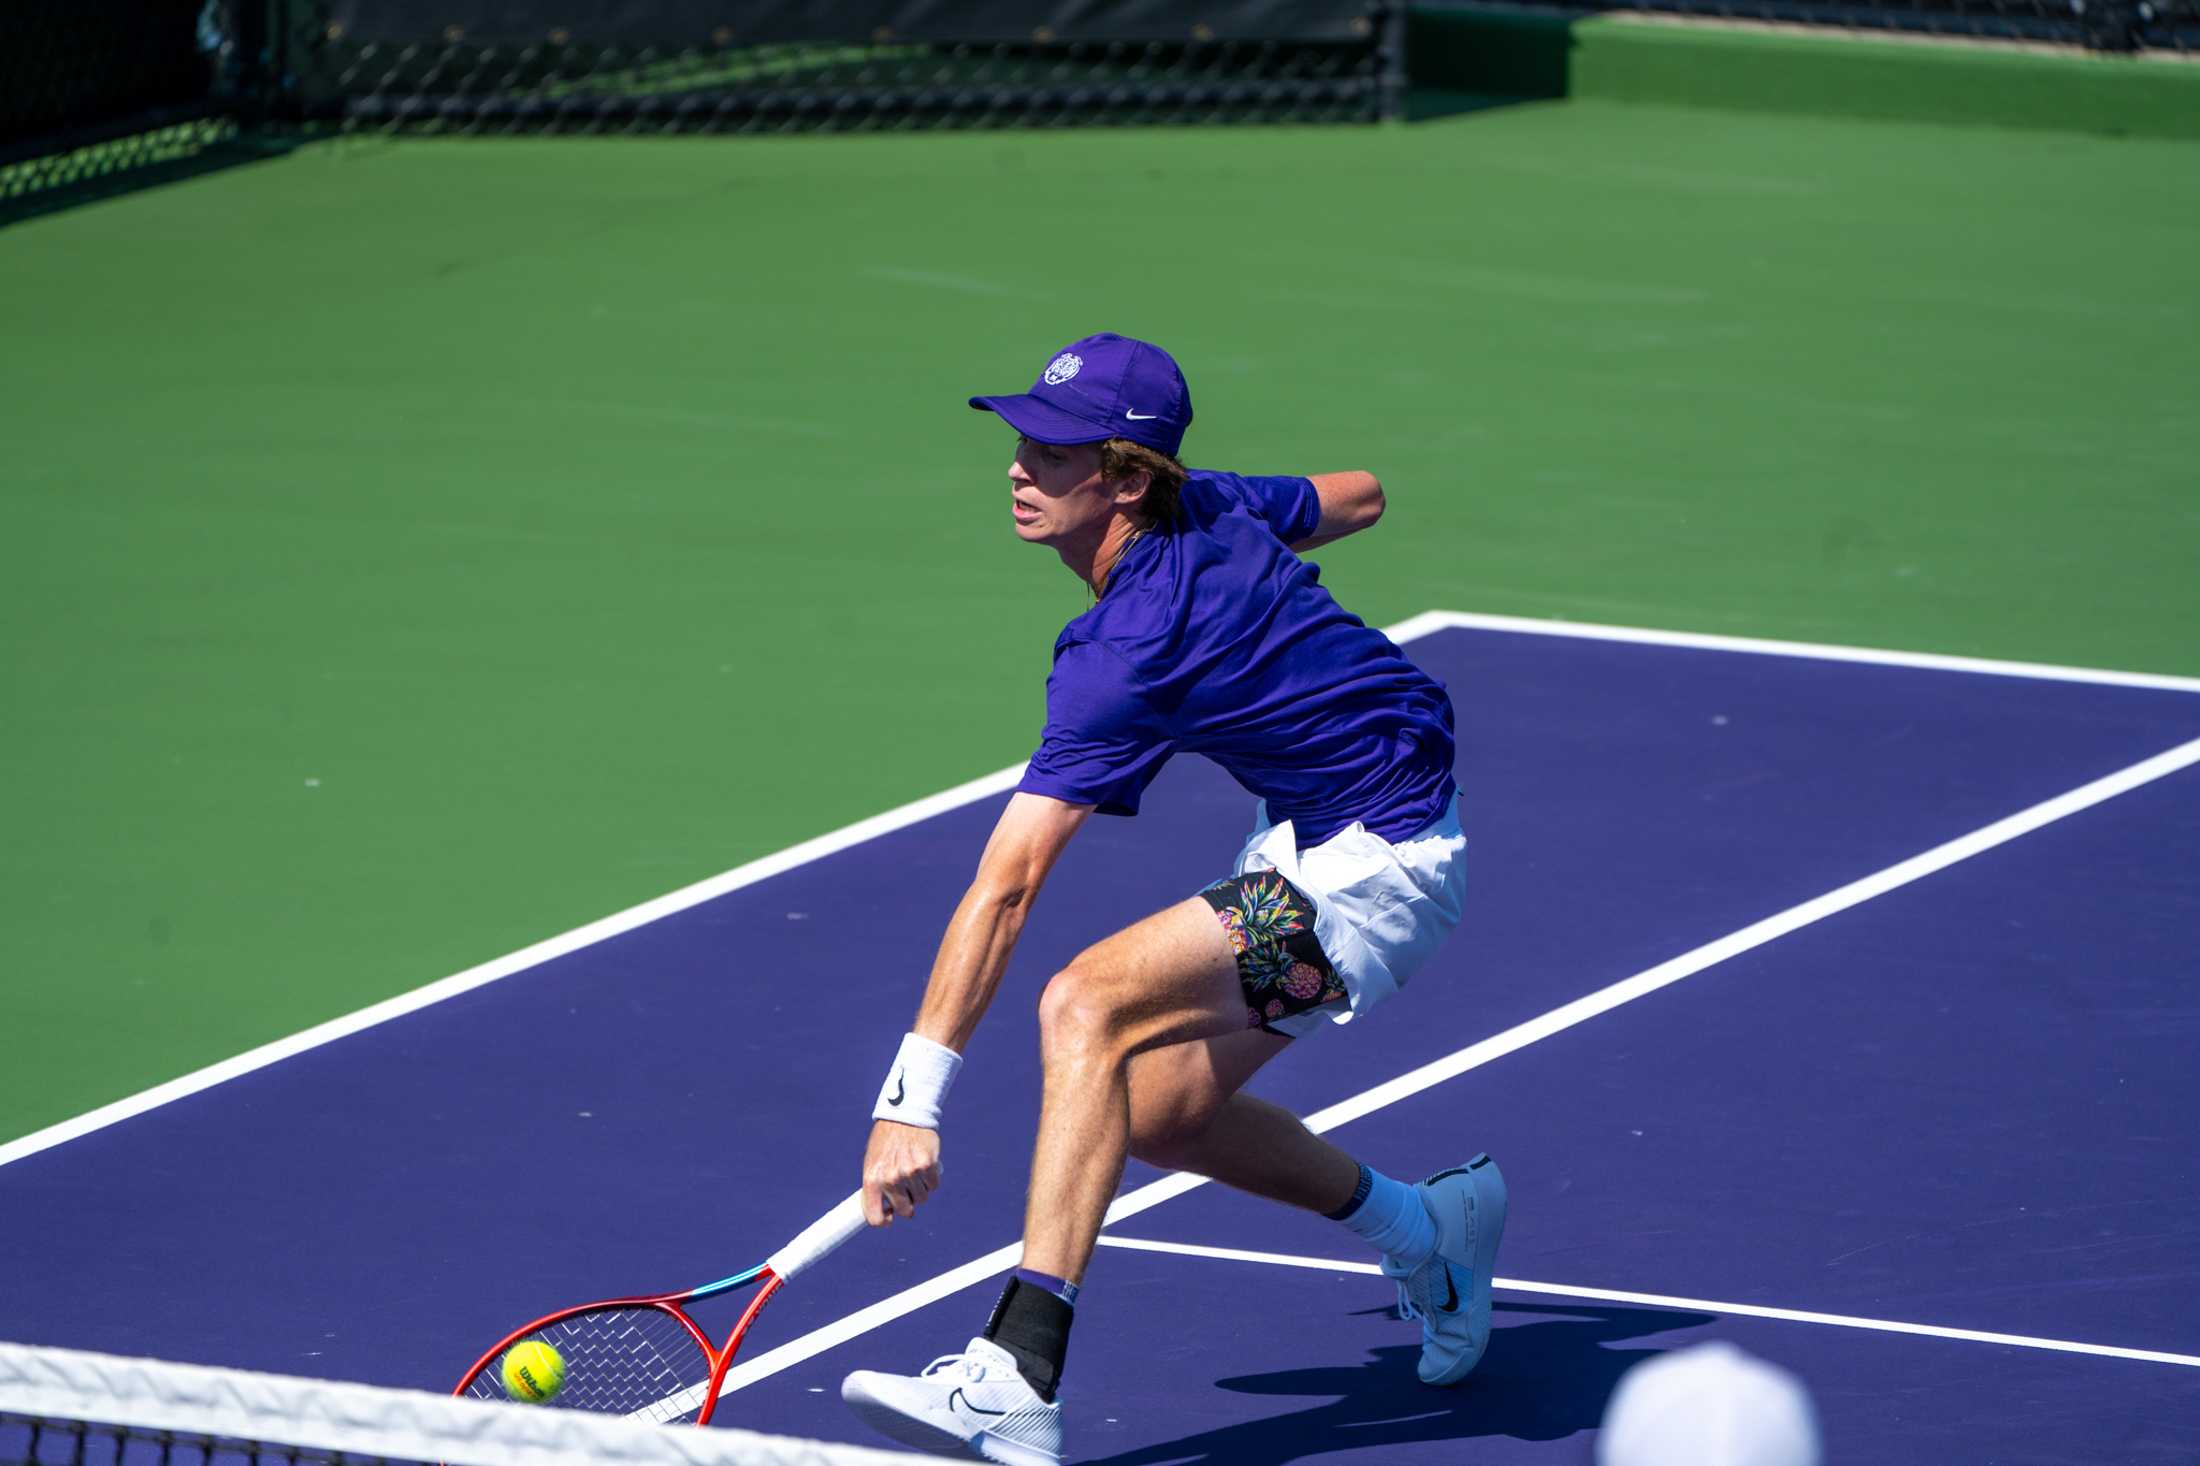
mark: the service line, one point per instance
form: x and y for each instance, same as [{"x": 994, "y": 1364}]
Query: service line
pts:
[{"x": 1693, "y": 1305}]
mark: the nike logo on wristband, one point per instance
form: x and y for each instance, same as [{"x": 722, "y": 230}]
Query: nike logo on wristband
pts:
[{"x": 901, "y": 1091}]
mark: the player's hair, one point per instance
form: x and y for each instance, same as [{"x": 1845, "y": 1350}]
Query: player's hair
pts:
[{"x": 1120, "y": 458}]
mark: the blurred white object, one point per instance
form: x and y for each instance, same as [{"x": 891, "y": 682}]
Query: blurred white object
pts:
[
  {"x": 216, "y": 28},
  {"x": 1711, "y": 1405}
]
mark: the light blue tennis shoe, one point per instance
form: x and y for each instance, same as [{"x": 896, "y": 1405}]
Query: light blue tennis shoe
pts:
[{"x": 1450, "y": 1293}]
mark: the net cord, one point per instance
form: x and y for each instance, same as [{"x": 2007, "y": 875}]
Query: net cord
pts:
[{"x": 365, "y": 1420}]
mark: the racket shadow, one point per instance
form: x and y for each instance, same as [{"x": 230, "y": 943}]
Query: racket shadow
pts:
[{"x": 1549, "y": 1371}]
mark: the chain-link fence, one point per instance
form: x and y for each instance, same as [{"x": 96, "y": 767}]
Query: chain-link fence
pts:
[
  {"x": 685, "y": 66},
  {"x": 97, "y": 93},
  {"x": 103, "y": 94}
]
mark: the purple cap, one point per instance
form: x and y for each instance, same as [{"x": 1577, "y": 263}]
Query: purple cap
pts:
[{"x": 1105, "y": 386}]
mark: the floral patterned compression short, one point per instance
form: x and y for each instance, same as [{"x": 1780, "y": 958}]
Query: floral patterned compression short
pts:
[{"x": 1281, "y": 967}]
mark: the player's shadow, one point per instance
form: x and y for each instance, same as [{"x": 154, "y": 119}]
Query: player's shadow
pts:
[{"x": 1545, "y": 1377}]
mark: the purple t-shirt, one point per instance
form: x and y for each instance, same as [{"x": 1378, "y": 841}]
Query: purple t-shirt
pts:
[{"x": 1213, "y": 638}]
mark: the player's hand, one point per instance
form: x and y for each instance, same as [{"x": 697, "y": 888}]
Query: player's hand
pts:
[{"x": 901, "y": 1167}]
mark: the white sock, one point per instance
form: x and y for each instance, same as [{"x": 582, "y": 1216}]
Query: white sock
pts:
[{"x": 1393, "y": 1220}]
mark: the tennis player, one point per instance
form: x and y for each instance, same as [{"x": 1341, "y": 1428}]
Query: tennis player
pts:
[{"x": 1207, "y": 634}]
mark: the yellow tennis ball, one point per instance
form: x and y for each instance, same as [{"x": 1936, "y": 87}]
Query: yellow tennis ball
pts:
[{"x": 533, "y": 1372}]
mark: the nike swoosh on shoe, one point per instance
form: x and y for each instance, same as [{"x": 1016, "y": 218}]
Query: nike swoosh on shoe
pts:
[{"x": 957, "y": 1394}]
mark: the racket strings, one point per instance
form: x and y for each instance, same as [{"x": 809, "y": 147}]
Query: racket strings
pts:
[{"x": 618, "y": 1361}]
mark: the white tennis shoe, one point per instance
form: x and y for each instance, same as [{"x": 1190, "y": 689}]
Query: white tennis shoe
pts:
[
  {"x": 1450, "y": 1293},
  {"x": 970, "y": 1404}
]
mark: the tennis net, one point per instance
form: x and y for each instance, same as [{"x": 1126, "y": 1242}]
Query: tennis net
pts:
[{"x": 65, "y": 1405}]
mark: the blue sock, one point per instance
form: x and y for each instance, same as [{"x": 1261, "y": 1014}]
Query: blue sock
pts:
[
  {"x": 1359, "y": 1197},
  {"x": 1061, "y": 1288},
  {"x": 1389, "y": 1214}
]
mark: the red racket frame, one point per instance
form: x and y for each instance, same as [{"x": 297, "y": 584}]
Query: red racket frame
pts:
[{"x": 769, "y": 1284}]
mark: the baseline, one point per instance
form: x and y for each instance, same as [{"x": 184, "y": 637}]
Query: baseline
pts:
[{"x": 1431, "y": 621}]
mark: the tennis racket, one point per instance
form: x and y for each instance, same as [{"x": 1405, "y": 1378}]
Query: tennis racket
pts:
[{"x": 645, "y": 1358}]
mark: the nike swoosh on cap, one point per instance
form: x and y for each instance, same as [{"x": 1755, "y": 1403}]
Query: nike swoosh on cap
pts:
[{"x": 1140, "y": 416}]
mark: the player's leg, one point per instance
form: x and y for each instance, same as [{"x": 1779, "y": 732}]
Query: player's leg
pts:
[
  {"x": 1169, "y": 979},
  {"x": 1187, "y": 1114},
  {"x": 1122, "y": 1034},
  {"x": 1438, "y": 1240}
]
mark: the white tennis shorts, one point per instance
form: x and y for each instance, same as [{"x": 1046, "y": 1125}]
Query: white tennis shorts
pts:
[{"x": 1380, "y": 909}]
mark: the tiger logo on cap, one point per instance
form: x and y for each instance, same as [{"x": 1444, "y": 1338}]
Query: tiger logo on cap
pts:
[{"x": 1062, "y": 368}]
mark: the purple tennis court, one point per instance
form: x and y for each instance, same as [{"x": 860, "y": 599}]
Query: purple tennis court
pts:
[{"x": 1841, "y": 1008}]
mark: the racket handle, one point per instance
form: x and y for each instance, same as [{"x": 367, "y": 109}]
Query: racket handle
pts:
[{"x": 819, "y": 1240}]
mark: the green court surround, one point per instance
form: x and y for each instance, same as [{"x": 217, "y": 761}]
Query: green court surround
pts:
[
  {"x": 418, "y": 549},
  {"x": 1746, "y": 67}
]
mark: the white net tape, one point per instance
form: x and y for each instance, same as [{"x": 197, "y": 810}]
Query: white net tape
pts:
[{"x": 364, "y": 1420}]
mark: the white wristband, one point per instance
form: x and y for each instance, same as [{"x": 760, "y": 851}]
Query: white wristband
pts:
[{"x": 916, "y": 1086}]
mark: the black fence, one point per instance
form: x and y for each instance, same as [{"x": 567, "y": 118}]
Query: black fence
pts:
[
  {"x": 99, "y": 87},
  {"x": 699, "y": 66},
  {"x": 95, "y": 93},
  {"x": 98, "y": 94}
]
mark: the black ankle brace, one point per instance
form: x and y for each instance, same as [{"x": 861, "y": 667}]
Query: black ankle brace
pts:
[{"x": 1032, "y": 1324}]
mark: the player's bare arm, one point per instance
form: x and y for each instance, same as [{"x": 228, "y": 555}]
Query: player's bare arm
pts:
[
  {"x": 1351, "y": 501},
  {"x": 901, "y": 1165}
]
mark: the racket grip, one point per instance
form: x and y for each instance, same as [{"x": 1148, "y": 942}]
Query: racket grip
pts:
[{"x": 818, "y": 1240}]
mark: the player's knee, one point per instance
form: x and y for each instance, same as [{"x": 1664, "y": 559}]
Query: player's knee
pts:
[{"x": 1076, "y": 1019}]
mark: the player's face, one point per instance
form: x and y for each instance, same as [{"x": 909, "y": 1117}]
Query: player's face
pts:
[{"x": 1056, "y": 492}]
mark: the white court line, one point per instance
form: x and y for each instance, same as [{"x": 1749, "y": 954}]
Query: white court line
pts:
[
  {"x": 1473, "y": 1056},
  {"x": 1412, "y": 628},
  {"x": 1697, "y": 1305},
  {"x": 1429, "y": 621},
  {"x": 488, "y": 972},
  {"x": 183, "y": 1086}
]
